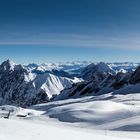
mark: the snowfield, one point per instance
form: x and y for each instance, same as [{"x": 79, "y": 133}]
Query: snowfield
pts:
[
  {"x": 22, "y": 130},
  {"x": 105, "y": 117}
]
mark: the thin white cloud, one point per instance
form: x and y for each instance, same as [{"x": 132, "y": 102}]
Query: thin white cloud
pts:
[{"x": 73, "y": 40}]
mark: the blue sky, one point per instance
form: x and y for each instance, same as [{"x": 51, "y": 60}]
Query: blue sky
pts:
[{"x": 67, "y": 30}]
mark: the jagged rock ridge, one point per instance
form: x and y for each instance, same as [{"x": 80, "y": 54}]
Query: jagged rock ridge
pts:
[{"x": 102, "y": 82}]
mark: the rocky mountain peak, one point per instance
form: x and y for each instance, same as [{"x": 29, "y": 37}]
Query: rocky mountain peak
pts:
[
  {"x": 7, "y": 65},
  {"x": 92, "y": 69}
]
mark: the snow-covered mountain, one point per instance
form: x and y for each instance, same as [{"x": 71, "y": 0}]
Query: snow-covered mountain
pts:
[
  {"x": 102, "y": 82},
  {"x": 51, "y": 84},
  {"x": 31, "y": 84},
  {"x": 76, "y": 67},
  {"x": 70, "y": 67},
  {"x": 21, "y": 87},
  {"x": 91, "y": 70},
  {"x": 124, "y": 67}
]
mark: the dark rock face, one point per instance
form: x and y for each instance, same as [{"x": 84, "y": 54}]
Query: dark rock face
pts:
[
  {"x": 121, "y": 79},
  {"x": 88, "y": 86},
  {"x": 135, "y": 77},
  {"x": 16, "y": 88},
  {"x": 19, "y": 86},
  {"x": 77, "y": 88},
  {"x": 102, "y": 83}
]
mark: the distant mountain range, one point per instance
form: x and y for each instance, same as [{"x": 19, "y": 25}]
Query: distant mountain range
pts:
[
  {"x": 102, "y": 79},
  {"x": 26, "y": 85},
  {"x": 77, "y": 66}
]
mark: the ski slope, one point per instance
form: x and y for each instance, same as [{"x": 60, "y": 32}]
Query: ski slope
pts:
[
  {"x": 19, "y": 129},
  {"x": 108, "y": 117},
  {"x": 112, "y": 112}
]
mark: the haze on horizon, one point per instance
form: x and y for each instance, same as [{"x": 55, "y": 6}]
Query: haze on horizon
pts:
[{"x": 60, "y": 30}]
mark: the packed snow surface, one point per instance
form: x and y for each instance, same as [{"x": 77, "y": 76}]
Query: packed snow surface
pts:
[
  {"x": 22, "y": 130},
  {"x": 106, "y": 117}
]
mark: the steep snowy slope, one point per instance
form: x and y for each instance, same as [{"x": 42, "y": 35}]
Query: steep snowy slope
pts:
[{"x": 51, "y": 84}]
